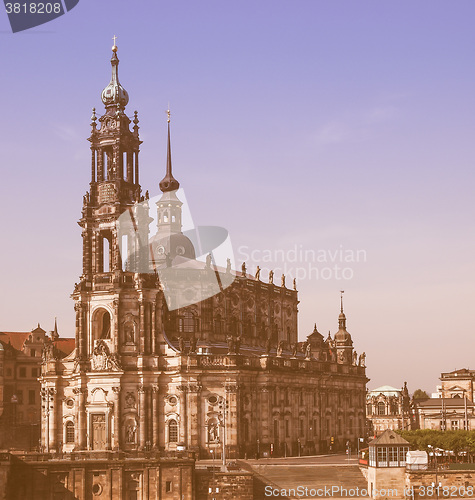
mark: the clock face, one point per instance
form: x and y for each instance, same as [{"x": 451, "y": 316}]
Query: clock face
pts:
[{"x": 160, "y": 250}]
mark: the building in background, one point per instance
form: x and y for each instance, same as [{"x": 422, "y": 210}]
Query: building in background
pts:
[
  {"x": 451, "y": 408},
  {"x": 20, "y": 367},
  {"x": 388, "y": 408},
  {"x": 225, "y": 372}
]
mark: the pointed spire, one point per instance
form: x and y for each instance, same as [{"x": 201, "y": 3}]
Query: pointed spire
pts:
[
  {"x": 55, "y": 331},
  {"x": 169, "y": 183},
  {"x": 114, "y": 95},
  {"x": 341, "y": 300}
]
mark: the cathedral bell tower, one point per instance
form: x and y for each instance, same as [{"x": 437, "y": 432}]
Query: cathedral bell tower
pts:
[{"x": 109, "y": 252}]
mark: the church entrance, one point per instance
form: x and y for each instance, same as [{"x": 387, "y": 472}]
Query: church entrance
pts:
[{"x": 99, "y": 431}]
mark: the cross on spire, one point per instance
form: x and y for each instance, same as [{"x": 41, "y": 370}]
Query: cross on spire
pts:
[{"x": 114, "y": 38}]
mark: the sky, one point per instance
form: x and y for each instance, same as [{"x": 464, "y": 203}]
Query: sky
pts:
[{"x": 320, "y": 133}]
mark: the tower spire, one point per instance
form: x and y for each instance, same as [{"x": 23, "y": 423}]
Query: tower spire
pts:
[
  {"x": 341, "y": 300},
  {"x": 169, "y": 183},
  {"x": 114, "y": 95}
]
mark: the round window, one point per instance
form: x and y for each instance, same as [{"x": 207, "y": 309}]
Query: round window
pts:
[
  {"x": 212, "y": 400},
  {"x": 173, "y": 400}
]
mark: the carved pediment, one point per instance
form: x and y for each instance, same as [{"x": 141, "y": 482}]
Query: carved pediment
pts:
[{"x": 102, "y": 359}]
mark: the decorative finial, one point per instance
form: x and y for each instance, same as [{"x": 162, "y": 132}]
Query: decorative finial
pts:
[
  {"x": 169, "y": 183},
  {"x": 114, "y": 47},
  {"x": 341, "y": 300},
  {"x": 93, "y": 117}
]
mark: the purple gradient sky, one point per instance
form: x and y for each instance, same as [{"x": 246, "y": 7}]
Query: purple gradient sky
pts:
[{"x": 313, "y": 123}]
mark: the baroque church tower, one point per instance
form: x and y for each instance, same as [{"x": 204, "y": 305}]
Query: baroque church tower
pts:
[{"x": 174, "y": 352}]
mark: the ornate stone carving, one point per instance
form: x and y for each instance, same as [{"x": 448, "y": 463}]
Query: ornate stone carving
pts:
[
  {"x": 103, "y": 360},
  {"x": 130, "y": 400}
]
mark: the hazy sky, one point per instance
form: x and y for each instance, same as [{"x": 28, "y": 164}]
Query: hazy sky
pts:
[{"x": 324, "y": 126}]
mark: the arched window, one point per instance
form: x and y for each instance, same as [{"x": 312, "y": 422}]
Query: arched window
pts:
[
  {"x": 369, "y": 409},
  {"x": 69, "y": 437},
  {"x": 101, "y": 324},
  {"x": 381, "y": 408},
  {"x": 172, "y": 431}
]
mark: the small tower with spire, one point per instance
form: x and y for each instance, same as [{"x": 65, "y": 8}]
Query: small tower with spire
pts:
[
  {"x": 343, "y": 341},
  {"x": 170, "y": 242}
]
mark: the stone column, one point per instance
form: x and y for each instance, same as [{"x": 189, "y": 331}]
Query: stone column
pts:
[
  {"x": 116, "y": 326},
  {"x": 266, "y": 413},
  {"x": 142, "y": 416},
  {"x": 232, "y": 445},
  {"x": 44, "y": 420},
  {"x": 154, "y": 327},
  {"x": 183, "y": 422},
  {"x": 81, "y": 394},
  {"x": 141, "y": 326},
  {"x": 194, "y": 415},
  {"x": 108, "y": 428},
  {"x": 53, "y": 421},
  {"x": 155, "y": 396},
  {"x": 116, "y": 430}
]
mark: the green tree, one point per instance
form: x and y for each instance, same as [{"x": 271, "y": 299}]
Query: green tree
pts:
[{"x": 420, "y": 394}]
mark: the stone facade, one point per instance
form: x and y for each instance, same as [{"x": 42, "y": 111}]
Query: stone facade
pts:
[
  {"x": 20, "y": 400},
  {"x": 85, "y": 478},
  {"x": 388, "y": 408},
  {"x": 197, "y": 370}
]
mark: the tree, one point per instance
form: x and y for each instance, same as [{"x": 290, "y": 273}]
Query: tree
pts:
[{"x": 420, "y": 394}]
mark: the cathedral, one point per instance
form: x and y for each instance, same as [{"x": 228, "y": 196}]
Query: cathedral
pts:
[{"x": 173, "y": 353}]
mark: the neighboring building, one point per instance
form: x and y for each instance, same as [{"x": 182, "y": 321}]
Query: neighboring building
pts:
[
  {"x": 226, "y": 370},
  {"x": 451, "y": 408},
  {"x": 388, "y": 408},
  {"x": 458, "y": 384},
  {"x": 20, "y": 400},
  {"x": 446, "y": 414}
]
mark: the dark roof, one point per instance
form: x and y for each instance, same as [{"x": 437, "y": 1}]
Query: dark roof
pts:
[
  {"x": 65, "y": 345},
  {"x": 388, "y": 437},
  {"x": 16, "y": 339},
  {"x": 448, "y": 402}
]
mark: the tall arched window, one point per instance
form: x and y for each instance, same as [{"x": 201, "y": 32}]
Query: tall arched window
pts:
[
  {"x": 381, "y": 408},
  {"x": 101, "y": 324},
  {"x": 69, "y": 434},
  {"x": 172, "y": 431}
]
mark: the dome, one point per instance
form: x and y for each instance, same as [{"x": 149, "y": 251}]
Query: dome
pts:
[
  {"x": 114, "y": 94},
  {"x": 174, "y": 245}
]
